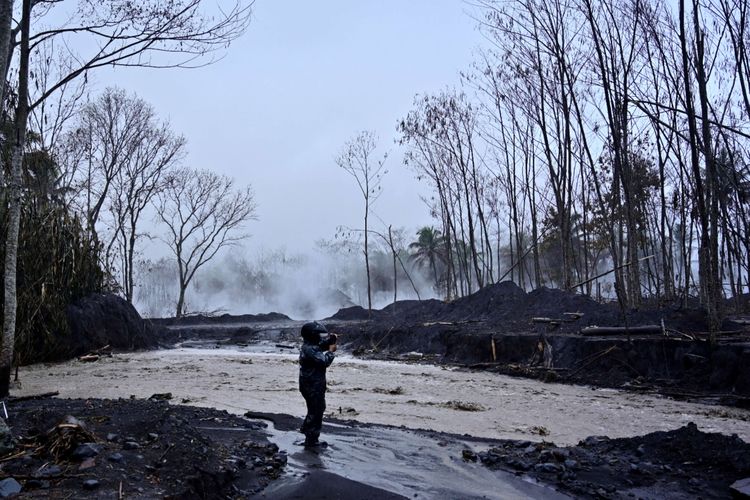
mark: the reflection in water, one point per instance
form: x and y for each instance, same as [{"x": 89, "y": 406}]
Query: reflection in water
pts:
[{"x": 405, "y": 462}]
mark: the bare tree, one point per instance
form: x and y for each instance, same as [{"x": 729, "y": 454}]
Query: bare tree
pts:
[
  {"x": 150, "y": 33},
  {"x": 202, "y": 212},
  {"x": 18, "y": 141},
  {"x": 137, "y": 179},
  {"x": 357, "y": 160},
  {"x": 110, "y": 131}
]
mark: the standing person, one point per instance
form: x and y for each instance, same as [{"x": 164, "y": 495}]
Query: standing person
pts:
[{"x": 315, "y": 355}]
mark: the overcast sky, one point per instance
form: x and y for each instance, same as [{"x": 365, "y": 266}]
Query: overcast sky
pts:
[{"x": 305, "y": 78}]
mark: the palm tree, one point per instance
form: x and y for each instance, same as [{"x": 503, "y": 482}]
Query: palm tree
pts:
[{"x": 428, "y": 250}]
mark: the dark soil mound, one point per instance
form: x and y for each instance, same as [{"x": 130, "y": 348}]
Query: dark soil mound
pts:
[
  {"x": 224, "y": 319},
  {"x": 351, "y": 313},
  {"x": 412, "y": 311},
  {"x": 509, "y": 309},
  {"x": 105, "y": 319},
  {"x": 495, "y": 303},
  {"x": 684, "y": 463}
]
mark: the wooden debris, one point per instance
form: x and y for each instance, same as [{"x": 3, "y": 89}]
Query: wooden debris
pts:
[
  {"x": 16, "y": 399},
  {"x": 66, "y": 436},
  {"x": 541, "y": 319},
  {"x": 542, "y": 354},
  {"x": 587, "y": 361},
  {"x": 103, "y": 351},
  {"x": 96, "y": 354},
  {"x": 622, "y": 330},
  {"x": 573, "y": 316}
]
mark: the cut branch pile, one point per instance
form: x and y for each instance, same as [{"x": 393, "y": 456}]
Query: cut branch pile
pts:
[{"x": 65, "y": 437}]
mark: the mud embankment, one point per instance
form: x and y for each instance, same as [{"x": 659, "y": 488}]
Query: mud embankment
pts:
[
  {"x": 502, "y": 328},
  {"x": 645, "y": 362}
]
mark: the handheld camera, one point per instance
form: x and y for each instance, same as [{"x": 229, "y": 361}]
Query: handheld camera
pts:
[{"x": 328, "y": 341}]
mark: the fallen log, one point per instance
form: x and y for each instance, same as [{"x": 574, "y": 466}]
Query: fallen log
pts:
[
  {"x": 623, "y": 330},
  {"x": 540, "y": 319},
  {"x": 107, "y": 350},
  {"x": 573, "y": 316},
  {"x": 16, "y": 399}
]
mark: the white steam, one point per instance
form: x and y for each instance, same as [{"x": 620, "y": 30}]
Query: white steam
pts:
[{"x": 311, "y": 286}]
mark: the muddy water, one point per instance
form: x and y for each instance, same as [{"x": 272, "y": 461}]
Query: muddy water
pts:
[
  {"x": 406, "y": 463},
  {"x": 414, "y": 396}
]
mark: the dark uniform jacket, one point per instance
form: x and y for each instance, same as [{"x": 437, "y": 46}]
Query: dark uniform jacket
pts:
[{"x": 313, "y": 361}]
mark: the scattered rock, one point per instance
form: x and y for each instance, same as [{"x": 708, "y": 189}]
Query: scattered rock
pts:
[
  {"x": 115, "y": 457},
  {"x": 86, "y": 450},
  {"x": 90, "y": 484},
  {"x": 52, "y": 470},
  {"x": 518, "y": 464},
  {"x": 87, "y": 464},
  {"x": 593, "y": 440},
  {"x": 741, "y": 488},
  {"x": 9, "y": 487},
  {"x": 469, "y": 455},
  {"x": 161, "y": 396},
  {"x": 547, "y": 467}
]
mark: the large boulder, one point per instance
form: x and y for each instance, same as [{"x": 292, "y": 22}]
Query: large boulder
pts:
[{"x": 102, "y": 319}]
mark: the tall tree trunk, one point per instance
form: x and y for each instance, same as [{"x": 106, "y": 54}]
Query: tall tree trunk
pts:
[
  {"x": 367, "y": 259},
  {"x": 6, "y": 20},
  {"x": 395, "y": 269},
  {"x": 129, "y": 266},
  {"x": 707, "y": 213},
  {"x": 713, "y": 285},
  {"x": 14, "y": 206},
  {"x": 180, "y": 301}
]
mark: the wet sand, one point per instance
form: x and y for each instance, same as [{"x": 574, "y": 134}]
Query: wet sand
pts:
[{"x": 410, "y": 395}]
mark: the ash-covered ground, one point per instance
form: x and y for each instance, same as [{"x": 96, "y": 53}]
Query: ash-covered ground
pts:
[{"x": 497, "y": 439}]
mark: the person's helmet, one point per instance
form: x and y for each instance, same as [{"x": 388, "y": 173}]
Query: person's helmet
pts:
[{"x": 312, "y": 331}]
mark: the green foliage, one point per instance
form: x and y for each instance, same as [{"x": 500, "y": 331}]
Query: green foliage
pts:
[
  {"x": 429, "y": 251},
  {"x": 58, "y": 263}
]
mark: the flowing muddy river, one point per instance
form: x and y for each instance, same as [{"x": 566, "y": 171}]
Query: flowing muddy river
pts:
[{"x": 264, "y": 379}]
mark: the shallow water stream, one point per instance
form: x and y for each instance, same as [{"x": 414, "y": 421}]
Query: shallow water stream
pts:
[{"x": 406, "y": 463}]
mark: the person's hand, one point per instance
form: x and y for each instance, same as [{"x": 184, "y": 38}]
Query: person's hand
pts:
[{"x": 332, "y": 347}]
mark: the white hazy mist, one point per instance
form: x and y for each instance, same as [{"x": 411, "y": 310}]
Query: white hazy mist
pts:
[{"x": 302, "y": 286}]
